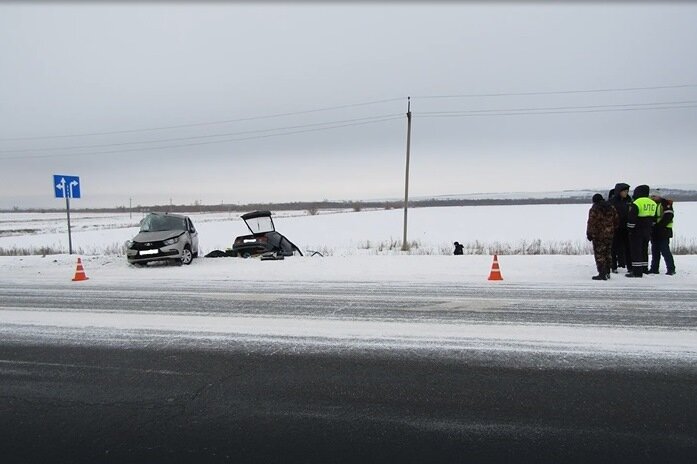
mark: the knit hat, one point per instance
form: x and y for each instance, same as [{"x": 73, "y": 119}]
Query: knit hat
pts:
[
  {"x": 597, "y": 198},
  {"x": 641, "y": 191}
]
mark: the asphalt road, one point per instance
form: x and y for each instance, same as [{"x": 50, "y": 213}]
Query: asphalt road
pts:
[{"x": 138, "y": 395}]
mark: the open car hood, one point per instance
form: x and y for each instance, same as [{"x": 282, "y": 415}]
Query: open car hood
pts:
[{"x": 259, "y": 222}]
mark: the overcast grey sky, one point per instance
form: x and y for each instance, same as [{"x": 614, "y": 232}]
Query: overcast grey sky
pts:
[{"x": 76, "y": 69}]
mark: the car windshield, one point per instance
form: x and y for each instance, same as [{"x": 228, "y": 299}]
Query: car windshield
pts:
[{"x": 157, "y": 223}]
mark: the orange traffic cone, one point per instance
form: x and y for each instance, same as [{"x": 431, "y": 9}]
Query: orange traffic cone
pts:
[
  {"x": 495, "y": 271},
  {"x": 80, "y": 272}
]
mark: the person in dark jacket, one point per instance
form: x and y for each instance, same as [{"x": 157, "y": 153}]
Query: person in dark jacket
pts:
[
  {"x": 640, "y": 220},
  {"x": 458, "y": 248},
  {"x": 661, "y": 235},
  {"x": 621, "y": 200},
  {"x": 603, "y": 221}
]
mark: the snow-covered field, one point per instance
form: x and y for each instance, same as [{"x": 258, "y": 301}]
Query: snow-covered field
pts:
[
  {"x": 548, "y": 229},
  {"x": 358, "y": 246}
]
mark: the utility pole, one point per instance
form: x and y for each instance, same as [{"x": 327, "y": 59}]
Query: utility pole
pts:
[
  {"x": 130, "y": 208},
  {"x": 405, "y": 245}
]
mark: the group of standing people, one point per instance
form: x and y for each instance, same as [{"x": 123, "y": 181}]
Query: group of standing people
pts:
[{"x": 622, "y": 227}]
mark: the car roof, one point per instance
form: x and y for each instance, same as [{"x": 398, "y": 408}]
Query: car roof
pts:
[{"x": 171, "y": 215}]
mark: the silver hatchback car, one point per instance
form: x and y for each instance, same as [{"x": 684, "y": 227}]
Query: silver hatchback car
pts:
[{"x": 163, "y": 237}]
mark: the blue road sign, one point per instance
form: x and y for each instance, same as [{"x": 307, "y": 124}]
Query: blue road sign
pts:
[{"x": 66, "y": 186}]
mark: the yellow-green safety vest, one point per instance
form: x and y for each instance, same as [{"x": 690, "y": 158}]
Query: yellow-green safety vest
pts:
[
  {"x": 646, "y": 207},
  {"x": 659, "y": 215}
]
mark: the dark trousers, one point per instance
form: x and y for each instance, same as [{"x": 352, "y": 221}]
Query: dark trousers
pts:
[
  {"x": 602, "y": 249},
  {"x": 621, "y": 256},
  {"x": 639, "y": 246},
  {"x": 661, "y": 246}
]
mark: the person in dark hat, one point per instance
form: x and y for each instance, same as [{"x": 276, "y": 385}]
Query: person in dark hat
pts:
[
  {"x": 620, "y": 200},
  {"x": 640, "y": 220},
  {"x": 603, "y": 221},
  {"x": 458, "y": 248}
]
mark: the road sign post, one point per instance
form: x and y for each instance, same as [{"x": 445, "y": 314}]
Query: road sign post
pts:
[{"x": 67, "y": 187}]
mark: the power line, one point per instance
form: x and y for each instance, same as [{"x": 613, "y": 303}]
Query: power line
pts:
[
  {"x": 503, "y": 111},
  {"x": 196, "y": 137},
  {"x": 559, "y": 92},
  {"x": 337, "y": 107},
  {"x": 574, "y": 107},
  {"x": 211, "y": 123},
  {"x": 608, "y": 110},
  {"x": 207, "y": 143}
]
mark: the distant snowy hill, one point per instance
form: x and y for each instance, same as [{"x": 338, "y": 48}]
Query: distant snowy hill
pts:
[
  {"x": 513, "y": 195},
  {"x": 671, "y": 192}
]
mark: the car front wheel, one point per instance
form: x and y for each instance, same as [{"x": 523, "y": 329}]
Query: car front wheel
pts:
[{"x": 187, "y": 255}]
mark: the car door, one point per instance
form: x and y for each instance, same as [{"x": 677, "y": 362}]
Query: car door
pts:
[{"x": 193, "y": 233}]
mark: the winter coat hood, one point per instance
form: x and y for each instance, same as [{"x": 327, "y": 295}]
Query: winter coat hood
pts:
[{"x": 641, "y": 191}]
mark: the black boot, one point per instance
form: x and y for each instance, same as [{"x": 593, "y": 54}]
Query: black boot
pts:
[
  {"x": 600, "y": 276},
  {"x": 635, "y": 274}
]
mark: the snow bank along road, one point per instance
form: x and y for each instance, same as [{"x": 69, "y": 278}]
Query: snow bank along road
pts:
[{"x": 346, "y": 372}]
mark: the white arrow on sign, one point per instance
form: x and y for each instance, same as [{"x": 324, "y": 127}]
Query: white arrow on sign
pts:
[
  {"x": 61, "y": 186},
  {"x": 72, "y": 184}
]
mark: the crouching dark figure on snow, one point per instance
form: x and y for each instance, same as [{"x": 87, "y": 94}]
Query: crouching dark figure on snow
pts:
[
  {"x": 600, "y": 229},
  {"x": 458, "y": 248}
]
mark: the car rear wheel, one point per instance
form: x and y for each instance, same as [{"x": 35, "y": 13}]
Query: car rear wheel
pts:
[{"x": 187, "y": 255}]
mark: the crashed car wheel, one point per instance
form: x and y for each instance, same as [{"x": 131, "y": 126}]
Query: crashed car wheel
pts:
[{"x": 187, "y": 256}]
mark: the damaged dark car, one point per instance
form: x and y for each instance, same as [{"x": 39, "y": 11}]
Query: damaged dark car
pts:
[{"x": 264, "y": 240}]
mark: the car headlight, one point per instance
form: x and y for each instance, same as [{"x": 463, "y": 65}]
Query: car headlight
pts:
[
  {"x": 129, "y": 243},
  {"x": 171, "y": 241}
]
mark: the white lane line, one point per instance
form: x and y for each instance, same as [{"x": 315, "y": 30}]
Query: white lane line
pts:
[{"x": 13, "y": 362}]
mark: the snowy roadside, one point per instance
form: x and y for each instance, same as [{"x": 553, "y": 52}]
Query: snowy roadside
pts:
[
  {"x": 143, "y": 313},
  {"x": 545, "y": 271}
]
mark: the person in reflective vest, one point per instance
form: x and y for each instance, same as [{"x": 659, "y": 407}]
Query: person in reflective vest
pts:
[
  {"x": 640, "y": 221},
  {"x": 662, "y": 233}
]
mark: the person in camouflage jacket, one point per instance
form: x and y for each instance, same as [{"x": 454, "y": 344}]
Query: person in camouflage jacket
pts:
[{"x": 603, "y": 222}]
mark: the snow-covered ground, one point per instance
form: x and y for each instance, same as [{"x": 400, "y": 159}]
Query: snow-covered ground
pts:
[
  {"x": 562, "y": 271},
  {"x": 29, "y": 283},
  {"x": 441, "y": 303},
  {"x": 558, "y": 228}
]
